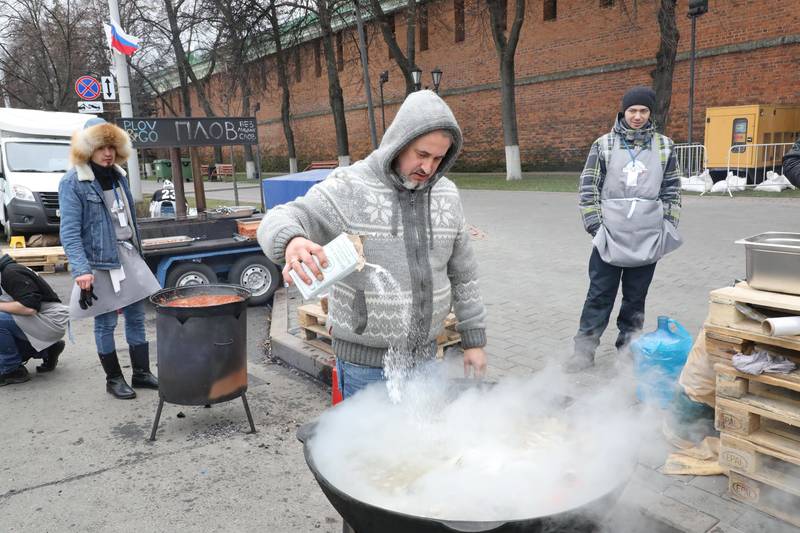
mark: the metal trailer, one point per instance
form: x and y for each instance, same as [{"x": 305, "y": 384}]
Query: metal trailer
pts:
[{"x": 208, "y": 250}]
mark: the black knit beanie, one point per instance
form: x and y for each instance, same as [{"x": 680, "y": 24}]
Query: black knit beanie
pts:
[{"x": 639, "y": 96}]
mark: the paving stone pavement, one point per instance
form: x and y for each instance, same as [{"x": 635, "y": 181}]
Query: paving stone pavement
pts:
[{"x": 533, "y": 256}]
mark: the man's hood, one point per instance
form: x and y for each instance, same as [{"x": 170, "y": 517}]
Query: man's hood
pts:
[
  {"x": 641, "y": 136},
  {"x": 422, "y": 112}
]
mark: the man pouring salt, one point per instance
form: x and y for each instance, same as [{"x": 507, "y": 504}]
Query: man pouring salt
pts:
[
  {"x": 630, "y": 202},
  {"x": 413, "y": 226}
]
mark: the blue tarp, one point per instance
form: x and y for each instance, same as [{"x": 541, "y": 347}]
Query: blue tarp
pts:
[{"x": 283, "y": 189}]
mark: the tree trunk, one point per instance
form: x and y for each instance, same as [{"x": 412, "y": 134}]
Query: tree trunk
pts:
[
  {"x": 510, "y": 136},
  {"x": 405, "y": 63},
  {"x": 286, "y": 114},
  {"x": 249, "y": 161},
  {"x": 506, "y": 47},
  {"x": 334, "y": 88},
  {"x": 665, "y": 62},
  {"x": 411, "y": 34}
]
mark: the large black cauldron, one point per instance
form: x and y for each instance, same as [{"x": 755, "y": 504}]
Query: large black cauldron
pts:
[
  {"x": 361, "y": 517},
  {"x": 202, "y": 348}
]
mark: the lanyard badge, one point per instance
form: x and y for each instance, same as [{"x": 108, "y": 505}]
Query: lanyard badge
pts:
[
  {"x": 632, "y": 169},
  {"x": 119, "y": 209}
]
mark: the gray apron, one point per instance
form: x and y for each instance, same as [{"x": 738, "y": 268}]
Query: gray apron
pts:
[
  {"x": 634, "y": 231},
  {"x": 139, "y": 282},
  {"x": 46, "y": 327}
]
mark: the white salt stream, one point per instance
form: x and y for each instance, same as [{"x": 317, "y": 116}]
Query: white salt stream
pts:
[{"x": 398, "y": 363}]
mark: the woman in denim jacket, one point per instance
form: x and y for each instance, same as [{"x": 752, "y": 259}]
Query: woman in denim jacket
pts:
[{"x": 99, "y": 235}]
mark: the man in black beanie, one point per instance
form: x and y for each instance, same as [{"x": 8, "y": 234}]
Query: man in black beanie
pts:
[{"x": 630, "y": 201}]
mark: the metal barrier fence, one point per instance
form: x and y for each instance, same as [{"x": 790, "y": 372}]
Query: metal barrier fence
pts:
[
  {"x": 750, "y": 164},
  {"x": 691, "y": 158},
  {"x": 753, "y": 161}
]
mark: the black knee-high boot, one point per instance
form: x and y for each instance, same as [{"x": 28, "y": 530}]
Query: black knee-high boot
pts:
[
  {"x": 140, "y": 361},
  {"x": 115, "y": 381}
]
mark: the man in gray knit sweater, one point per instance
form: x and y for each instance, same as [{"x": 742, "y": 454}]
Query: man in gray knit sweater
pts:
[{"x": 412, "y": 224}]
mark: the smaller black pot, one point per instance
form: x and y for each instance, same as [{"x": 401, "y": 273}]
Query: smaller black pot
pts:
[{"x": 202, "y": 351}]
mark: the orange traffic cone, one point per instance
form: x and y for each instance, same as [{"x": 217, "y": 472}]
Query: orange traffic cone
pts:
[{"x": 336, "y": 392}]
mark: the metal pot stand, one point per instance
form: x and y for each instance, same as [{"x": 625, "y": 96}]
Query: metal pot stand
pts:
[{"x": 202, "y": 351}]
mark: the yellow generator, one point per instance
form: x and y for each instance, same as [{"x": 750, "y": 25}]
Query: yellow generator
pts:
[{"x": 749, "y": 140}]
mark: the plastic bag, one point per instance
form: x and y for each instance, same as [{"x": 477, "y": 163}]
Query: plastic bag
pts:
[
  {"x": 697, "y": 378},
  {"x": 731, "y": 183},
  {"x": 774, "y": 183},
  {"x": 699, "y": 183}
]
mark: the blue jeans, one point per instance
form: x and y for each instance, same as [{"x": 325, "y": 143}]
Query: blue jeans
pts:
[
  {"x": 14, "y": 345},
  {"x": 353, "y": 377},
  {"x": 105, "y": 324}
]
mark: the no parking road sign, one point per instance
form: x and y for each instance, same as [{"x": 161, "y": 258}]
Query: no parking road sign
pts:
[{"x": 88, "y": 88}]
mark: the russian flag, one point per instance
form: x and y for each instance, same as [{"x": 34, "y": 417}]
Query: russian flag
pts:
[{"x": 121, "y": 41}]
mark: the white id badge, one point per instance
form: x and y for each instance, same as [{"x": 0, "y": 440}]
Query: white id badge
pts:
[
  {"x": 119, "y": 207},
  {"x": 632, "y": 171}
]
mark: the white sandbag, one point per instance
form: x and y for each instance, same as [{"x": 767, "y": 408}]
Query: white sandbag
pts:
[
  {"x": 731, "y": 183},
  {"x": 774, "y": 183},
  {"x": 698, "y": 183}
]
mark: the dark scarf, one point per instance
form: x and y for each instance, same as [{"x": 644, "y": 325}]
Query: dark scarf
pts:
[
  {"x": 105, "y": 176},
  {"x": 640, "y": 137}
]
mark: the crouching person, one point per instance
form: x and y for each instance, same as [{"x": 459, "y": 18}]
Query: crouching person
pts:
[
  {"x": 32, "y": 322},
  {"x": 99, "y": 235}
]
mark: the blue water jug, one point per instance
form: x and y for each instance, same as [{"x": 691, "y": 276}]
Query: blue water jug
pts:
[{"x": 658, "y": 359}]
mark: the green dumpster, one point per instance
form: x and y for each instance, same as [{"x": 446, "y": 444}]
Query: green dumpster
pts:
[
  {"x": 186, "y": 168},
  {"x": 163, "y": 169}
]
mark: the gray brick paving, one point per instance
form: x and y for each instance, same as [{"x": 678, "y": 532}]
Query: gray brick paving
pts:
[
  {"x": 668, "y": 510},
  {"x": 712, "y": 484},
  {"x": 709, "y": 503},
  {"x": 533, "y": 265},
  {"x": 725, "y": 528},
  {"x": 755, "y": 521}
]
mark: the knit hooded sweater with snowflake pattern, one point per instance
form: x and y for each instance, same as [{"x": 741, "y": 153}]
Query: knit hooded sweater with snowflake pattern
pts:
[{"x": 418, "y": 235}]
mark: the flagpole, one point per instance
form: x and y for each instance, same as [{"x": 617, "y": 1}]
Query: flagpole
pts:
[{"x": 125, "y": 107}]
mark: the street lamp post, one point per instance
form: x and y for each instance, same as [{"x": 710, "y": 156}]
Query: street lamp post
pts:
[
  {"x": 436, "y": 74},
  {"x": 384, "y": 79},
  {"x": 696, "y": 9},
  {"x": 416, "y": 77}
]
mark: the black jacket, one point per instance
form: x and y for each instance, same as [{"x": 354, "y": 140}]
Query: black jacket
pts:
[
  {"x": 791, "y": 164},
  {"x": 24, "y": 285}
]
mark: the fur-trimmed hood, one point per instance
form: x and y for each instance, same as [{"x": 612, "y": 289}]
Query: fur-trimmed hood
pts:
[{"x": 96, "y": 134}]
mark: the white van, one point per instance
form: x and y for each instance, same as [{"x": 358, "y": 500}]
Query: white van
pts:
[{"x": 34, "y": 155}]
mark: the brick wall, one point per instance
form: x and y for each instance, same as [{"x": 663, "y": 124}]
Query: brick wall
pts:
[{"x": 571, "y": 73}]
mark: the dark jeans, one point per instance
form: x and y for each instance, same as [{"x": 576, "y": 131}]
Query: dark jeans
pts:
[
  {"x": 604, "y": 280},
  {"x": 14, "y": 346}
]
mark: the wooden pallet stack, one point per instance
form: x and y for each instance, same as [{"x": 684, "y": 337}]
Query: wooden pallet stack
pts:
[
  {"x": 43, "y": 259},
  {"x": 313, "y": 319},
  {"x": 758, "y": 416}
]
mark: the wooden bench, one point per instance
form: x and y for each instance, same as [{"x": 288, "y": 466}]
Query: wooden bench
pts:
[
  {"x": 221, "y": 169},
  {"x": 224, "y": 169},
  {"x": 322, "y": 164}
]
